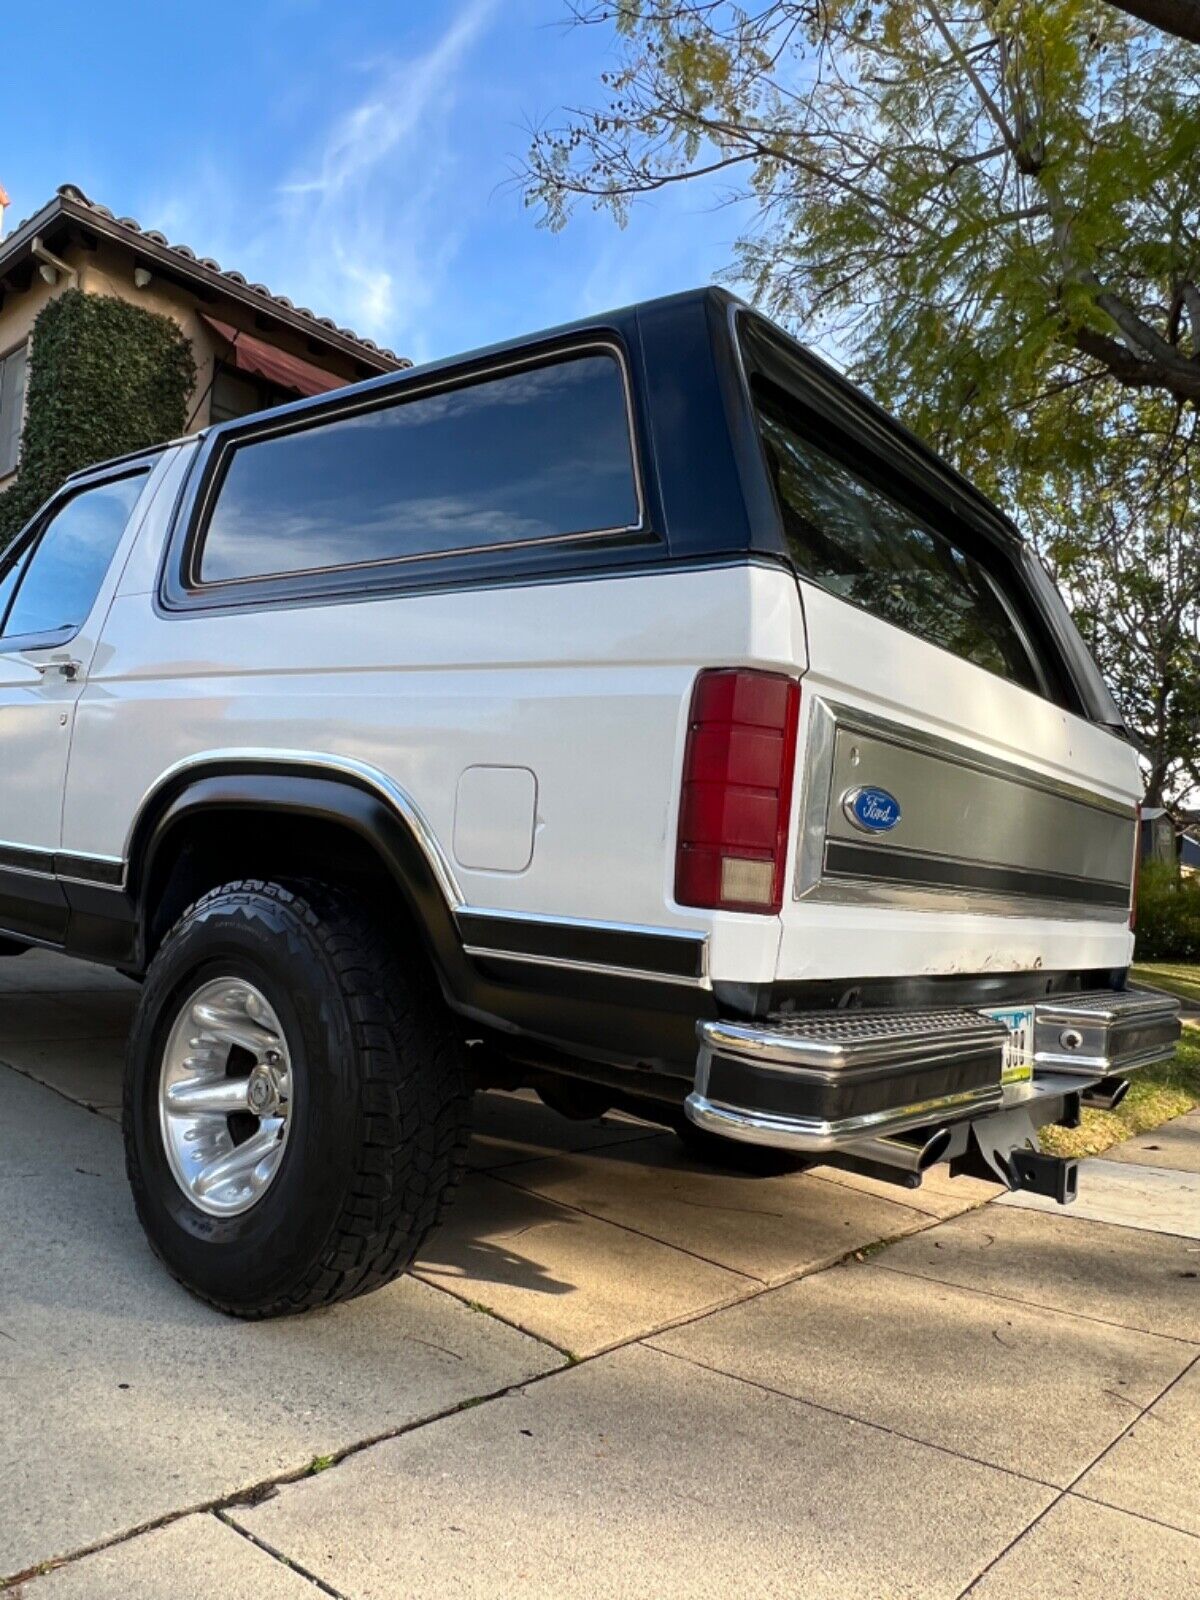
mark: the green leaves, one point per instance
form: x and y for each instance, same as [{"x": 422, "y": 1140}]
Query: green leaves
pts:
[
  {"x": 105, "y": 378},
  {"x": 992, "y": 214}
]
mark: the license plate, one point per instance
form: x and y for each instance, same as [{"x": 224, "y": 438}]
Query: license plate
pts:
[{"x": 1018, "y": 1047}]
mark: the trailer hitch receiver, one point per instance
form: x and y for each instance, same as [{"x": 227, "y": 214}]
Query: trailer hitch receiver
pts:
[
  {"x": 1004, "y": 1147},
  {"x": 1056, "y": 1177}
]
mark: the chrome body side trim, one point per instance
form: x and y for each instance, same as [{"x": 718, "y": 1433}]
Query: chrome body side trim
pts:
[
  {"x": 346, "y": 766},
  {"x": 483, "y": 953},
  {"x": 698, "y": 935},
  {"x": 619, "y": 949},
  {"x": 68, "y": 866},
  {"x": 1091, "y": 833},
  {"x": 56, "y": 850}
]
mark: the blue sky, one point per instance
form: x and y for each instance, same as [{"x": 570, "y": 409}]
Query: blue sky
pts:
[{"x": 355, "y": 156}]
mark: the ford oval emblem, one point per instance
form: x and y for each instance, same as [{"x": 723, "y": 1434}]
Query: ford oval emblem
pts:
[{"x": 872, "y": 810}]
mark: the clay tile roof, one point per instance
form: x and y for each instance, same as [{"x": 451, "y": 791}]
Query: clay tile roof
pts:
[{"x": 70, "y": 192}]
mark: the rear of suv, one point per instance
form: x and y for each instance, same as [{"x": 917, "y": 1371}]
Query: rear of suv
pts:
[{"x": 634, "y": 712}]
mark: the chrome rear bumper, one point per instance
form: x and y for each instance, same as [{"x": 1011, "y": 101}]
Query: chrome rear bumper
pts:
[
  {"x": 829, "y": 1081},
  {"x": 1105, "y": 1034}
]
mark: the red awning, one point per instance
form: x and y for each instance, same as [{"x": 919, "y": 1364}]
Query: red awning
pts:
[{"x": 264, "y": 360}]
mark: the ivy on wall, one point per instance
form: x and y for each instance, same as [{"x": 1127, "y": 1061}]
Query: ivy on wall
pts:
[{"x": 105, "y": 378}]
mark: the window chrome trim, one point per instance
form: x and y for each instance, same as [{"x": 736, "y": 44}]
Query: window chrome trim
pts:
[{"x": 200, "y": 513}]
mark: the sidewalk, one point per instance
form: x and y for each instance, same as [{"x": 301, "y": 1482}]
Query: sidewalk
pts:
[{"x": 615, "y": 1373}]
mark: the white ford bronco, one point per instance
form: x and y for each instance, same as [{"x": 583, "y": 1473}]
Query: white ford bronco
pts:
[{"x": 633, "y": 712}]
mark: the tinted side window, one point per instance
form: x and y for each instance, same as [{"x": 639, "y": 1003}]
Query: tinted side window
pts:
[
  {"x": 538, "y": 454},
  {"x": 10, "y": 576},
  {"x": 62, "y": 576},
  {"x": 851, "y": 538}
]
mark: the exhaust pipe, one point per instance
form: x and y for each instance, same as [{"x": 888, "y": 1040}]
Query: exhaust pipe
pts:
[
  {"x": 1107, "y": 1094},
  {"x": 900, "y": 1159},
  {"x": 911, "y": 1152}
]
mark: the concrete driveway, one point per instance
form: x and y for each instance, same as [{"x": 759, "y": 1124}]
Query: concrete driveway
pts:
[{"x": 615, "y": 1373}]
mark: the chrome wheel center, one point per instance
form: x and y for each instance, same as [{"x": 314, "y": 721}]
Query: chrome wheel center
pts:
[
  {"x": 263, "y": 1091},
  {"x": 225, "y": 1095}
]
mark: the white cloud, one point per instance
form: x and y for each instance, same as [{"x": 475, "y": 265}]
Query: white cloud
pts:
[
  {"x": 364, "y": 226},
  {"x": 392, "y": 212},
  {"x": 366, "y": 218},
  {"x": 399, "y": 104}
]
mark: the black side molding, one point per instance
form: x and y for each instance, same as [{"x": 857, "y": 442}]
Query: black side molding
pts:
[
  {"x": 627, "y": 949},
  {"x": 32, "y": 903},
  {"x": 89, "y": 869},
  {"x": 844, "y": 858}
]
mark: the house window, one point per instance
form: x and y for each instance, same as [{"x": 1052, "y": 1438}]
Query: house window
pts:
[
  {"x": 12, "y": 407},
  {"x": 237, "y": 394}
]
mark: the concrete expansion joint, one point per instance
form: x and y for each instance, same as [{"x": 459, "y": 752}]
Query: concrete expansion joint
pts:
[
  {"x": 255, "y": 1494},
  {"x": 1068, "y": 1493},
  {"x": 276, "y": 1555}
]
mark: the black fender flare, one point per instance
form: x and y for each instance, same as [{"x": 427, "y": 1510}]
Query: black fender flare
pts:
[
  {"x": 589, "y": 1013},
  {"x": 322, "y": 794}
]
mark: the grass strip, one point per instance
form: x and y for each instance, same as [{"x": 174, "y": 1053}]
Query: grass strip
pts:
[
  {"x": 1156, "y": 1095},
  {"x": 1177, "y": 977}
]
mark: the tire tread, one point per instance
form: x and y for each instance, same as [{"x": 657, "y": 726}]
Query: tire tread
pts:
[{"x": 414, "y": 1097}]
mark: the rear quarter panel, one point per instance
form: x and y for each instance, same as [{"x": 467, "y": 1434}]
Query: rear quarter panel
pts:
[{"x": 585, "y": 684}]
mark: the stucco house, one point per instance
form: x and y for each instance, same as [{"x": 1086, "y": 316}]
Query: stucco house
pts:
[{"x": 251, "y": 348}]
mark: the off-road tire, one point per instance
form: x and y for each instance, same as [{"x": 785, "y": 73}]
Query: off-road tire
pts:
[{"x": 381, "y": 1105}]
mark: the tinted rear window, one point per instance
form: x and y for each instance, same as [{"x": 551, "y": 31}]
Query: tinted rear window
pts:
[
  {"x": 539, "y": 454},
  {"x": 848, "y": 535}
]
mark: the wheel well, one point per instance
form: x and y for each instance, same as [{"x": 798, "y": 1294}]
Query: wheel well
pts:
[{"x": 208, "y": 848}]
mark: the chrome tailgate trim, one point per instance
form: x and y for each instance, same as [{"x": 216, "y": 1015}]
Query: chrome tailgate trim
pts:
[{"x": 975, "y": 833}]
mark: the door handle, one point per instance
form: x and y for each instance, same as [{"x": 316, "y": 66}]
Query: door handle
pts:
[{"x": 66, "y": 669}]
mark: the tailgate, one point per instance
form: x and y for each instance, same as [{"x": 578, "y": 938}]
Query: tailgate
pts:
[{"x": 949, "y": 821}]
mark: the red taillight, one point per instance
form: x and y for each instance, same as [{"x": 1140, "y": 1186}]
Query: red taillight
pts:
[
  {"x": 1137, "y": 868},
  {"x": 737, "y": 790}
]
